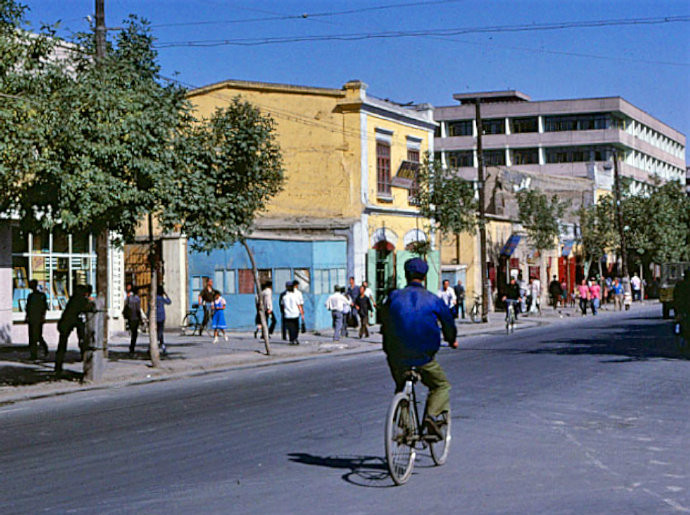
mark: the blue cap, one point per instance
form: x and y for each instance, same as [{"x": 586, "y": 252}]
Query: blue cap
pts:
[
  {"x": 416, "y": 266},
  {"x": 288, "y": 284}
]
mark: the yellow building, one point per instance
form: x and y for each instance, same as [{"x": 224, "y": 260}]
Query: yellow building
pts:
[{"x": 350, "y": 161}]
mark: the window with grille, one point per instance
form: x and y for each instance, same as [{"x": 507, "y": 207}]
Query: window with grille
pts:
[
  {"x": 413, "y": 192},
  {"x": 383, "y": 168}
]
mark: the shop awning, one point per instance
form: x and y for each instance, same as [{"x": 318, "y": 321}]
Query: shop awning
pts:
[
  {"x": 407, "y": 173},
  {"x": 510, "y": 245},
  {"x": 567, "y": 247}
]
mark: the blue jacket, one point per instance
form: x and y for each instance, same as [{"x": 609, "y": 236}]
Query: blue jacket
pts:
[
  {"x": 411, "y": 335},
  {"x": 160, "y": 307}
]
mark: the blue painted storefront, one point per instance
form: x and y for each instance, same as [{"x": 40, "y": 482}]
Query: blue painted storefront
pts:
[{"x": 318, "y": 265}]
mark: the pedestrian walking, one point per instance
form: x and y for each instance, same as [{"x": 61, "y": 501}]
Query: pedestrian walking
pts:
[
  {"x": 300, "y": 301},
  {"x": 636, "y": 285},
  {"x": 292, "y": 309},
  {"x": 336, "y": 304},
  {"x": 36, "y": 307},
  {"x": 523, "y": 293},
  {"x": 363, "y": 306},
  {"x": 595, "y": 295},
  {"x": 162, "y": 300},
  {"x": 206, "y": 298},
  {"x": 283, "y": 327},
  {"x": 555, "y": 292},
  {"x": 584, "y": 295},
  {"x": 352, "y": 293},
  {"x": 267, "y": 298},
  {"x": 218, "y": 320},
  {"x": 447, "y": 295},
  {"x": 535, "y": 295},
  {"x": 460, "y": 296},
  {"x": 618, "y": 293},
  {"x": 72, "y": 318},
  {"x": 132, "y": 314}
]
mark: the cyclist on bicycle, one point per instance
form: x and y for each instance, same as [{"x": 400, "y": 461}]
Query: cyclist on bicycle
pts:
[
  {"x": 411, "y": 339},
  {"x": 511, "y": 297}
]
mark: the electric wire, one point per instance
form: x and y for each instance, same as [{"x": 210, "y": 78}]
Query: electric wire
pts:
[{"x": 424, "y": 33}]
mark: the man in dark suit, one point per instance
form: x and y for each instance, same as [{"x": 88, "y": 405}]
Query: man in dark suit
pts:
[
  {"x": 71, "y": 318},
  {"x": 36, "y": 307}
]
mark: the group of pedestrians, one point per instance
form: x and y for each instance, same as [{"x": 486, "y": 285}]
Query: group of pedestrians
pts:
[
  {"x": 134, "y": 316},
  {"x": 72, "y": 319},
  {"x": 350, "y": 307}
]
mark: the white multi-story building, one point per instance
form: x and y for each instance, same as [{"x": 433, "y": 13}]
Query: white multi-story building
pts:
[{"x": 559, "y": 137}]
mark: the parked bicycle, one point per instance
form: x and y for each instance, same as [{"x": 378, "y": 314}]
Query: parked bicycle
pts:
[
  {"x": 511, "y": 316},
  {"x": 191, "y": 323},
  {"x": 405, "y": 433},
  {"x": 476, "y": 310}
]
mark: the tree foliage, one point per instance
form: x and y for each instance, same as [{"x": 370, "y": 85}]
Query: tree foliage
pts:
[
  {"x": 657, "y": 226},
  {"x": 598, "y": 231},
  {"x": 540, "y": 217},
  {"x": 233, "y": 167},
  {"x": 92, "y": 145},
  {"x": 446, "y": 199}
]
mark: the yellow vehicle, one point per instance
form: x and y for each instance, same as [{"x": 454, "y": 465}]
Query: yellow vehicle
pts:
[{"x": 671, "y": 273}]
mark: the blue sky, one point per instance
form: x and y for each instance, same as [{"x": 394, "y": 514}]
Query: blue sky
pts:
[{"x": 648, "y": 65}]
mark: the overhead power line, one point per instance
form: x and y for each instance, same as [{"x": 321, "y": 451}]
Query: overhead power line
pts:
[
  {"x": 325, "y": 14},
  {"x": 426, "y": 33}
]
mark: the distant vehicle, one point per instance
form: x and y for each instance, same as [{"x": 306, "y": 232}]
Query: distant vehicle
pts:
[{"x": 671, "y": 273}]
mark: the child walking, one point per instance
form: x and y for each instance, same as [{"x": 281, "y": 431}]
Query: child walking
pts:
[{"x": 218, "y": 321}]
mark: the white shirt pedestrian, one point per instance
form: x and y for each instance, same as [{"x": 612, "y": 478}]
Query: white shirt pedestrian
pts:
[
  {"x": 448, "y": 297},
  {"x": 337, "y": 302},
  {"x": 291, "y": 304}
]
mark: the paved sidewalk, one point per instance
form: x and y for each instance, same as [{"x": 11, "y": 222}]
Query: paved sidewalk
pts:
[{"x": 22, "y": 379}]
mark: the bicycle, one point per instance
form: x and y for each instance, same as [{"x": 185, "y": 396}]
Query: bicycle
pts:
[
  {"x": 405, "y": 435},
  {"x": 511, "y": 318},
  {"x": 190, "y": 322},
  {"x": 476, "y": 311}
]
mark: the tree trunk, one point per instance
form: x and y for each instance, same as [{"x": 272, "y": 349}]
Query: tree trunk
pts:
[
  {"x": 153, "y": 325},
  {"x": 586, "y": 267},
  {"x": 259, "y": 298}
]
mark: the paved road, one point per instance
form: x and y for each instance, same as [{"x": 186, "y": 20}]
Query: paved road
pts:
[{"x": 584, "y": 416}]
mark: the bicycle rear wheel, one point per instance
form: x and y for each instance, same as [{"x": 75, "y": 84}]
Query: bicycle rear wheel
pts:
[
  {"x": 401, "y": 435},
  {"x": 439, "y": 450},
  {"x": 189, "y": 324}
]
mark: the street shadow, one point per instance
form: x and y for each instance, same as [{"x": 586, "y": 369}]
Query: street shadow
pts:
[
  {"x": 366, "y": 471},
  {"x": 29, "y": 374},
  {"x": 636, "y": 342}
]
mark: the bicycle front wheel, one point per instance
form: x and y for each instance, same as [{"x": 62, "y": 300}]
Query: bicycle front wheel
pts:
[
  {"x": 439, "y": 450},
  {"x": 401, "y": 433}
]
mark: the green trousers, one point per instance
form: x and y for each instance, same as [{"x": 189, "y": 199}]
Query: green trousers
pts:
[{"x": 434, "y": 378}]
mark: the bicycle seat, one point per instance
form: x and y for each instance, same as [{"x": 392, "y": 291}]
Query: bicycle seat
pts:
[{"x": 412, "y": 375}]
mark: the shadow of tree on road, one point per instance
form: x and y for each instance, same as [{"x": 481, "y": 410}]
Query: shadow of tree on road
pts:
[
  {"x": 368, "y": 471},
  {"x": 636, "y": 342}
]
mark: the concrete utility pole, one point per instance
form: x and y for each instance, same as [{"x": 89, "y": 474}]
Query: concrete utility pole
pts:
[
  {"x": 95, "y": 369},
  {"x": 482, "y": 218},
  {"x": 621, "y": 231}
]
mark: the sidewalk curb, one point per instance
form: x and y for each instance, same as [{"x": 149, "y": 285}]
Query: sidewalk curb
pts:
[{"x": 224, "y": 368}]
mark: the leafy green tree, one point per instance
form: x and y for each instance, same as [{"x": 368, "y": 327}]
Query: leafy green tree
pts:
[
  {"x": 658, "y": 225},
  {"x": 445, "y": 199},
  {"x": 598, "y": 232},
  {"x": 233, "y": 167},
  {"x": 88, "y": 146},
  {"x": 541, "y": 218}
]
